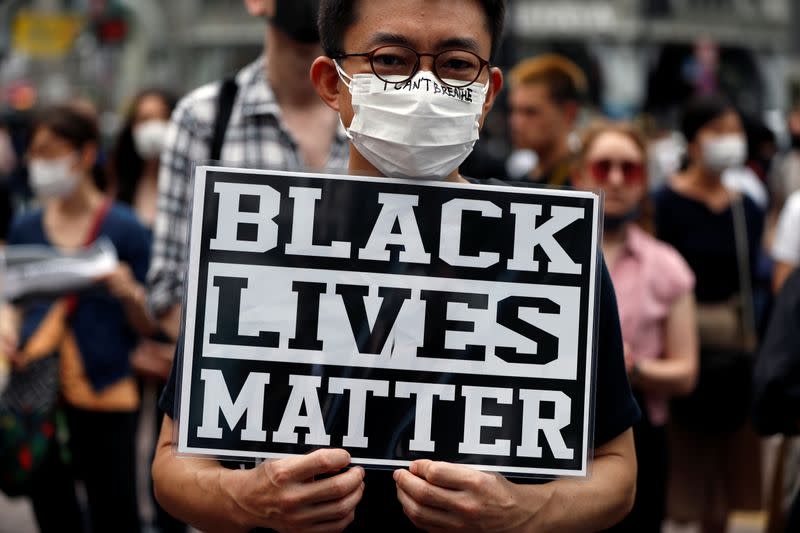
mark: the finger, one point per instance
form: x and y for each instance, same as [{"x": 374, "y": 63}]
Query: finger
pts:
[
  {"x": 425, "y": 517},
  {"x": 306, "y": 466},
  {"x": 445, "y": 475},
  {"x": 331, "y": 527},
  {"x": 332, "y": 488},
  {"x": 424, "y": 492},
  {"x": 332, "y": 511}
]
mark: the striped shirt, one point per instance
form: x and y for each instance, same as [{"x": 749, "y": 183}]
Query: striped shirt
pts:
[{"x": 255, "y": 138}]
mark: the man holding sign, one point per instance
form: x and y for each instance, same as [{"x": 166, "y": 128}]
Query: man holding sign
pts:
[{"x": 412, "y": 84}]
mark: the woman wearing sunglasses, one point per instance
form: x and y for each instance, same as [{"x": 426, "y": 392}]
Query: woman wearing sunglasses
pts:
[{"x": 656, "y": 305}]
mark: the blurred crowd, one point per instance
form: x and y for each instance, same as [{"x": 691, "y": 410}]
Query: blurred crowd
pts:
[{"x": 701, "y": 236}]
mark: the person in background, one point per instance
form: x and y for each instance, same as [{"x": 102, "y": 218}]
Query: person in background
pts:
[
  {"x": 786, "y": 242},
  {"x": 785, "y": 177},
  {"x": 544, "y": 101},
  {"x": 96, "y": 330},
  {"x": 276, "y": 122},
  {"x": 716, "y": 461},
  {"x": 654, "y": 287},
  {"x": 136, "y": 155},
  {"x": 777, "y": 399},
  {"x": 134, "y": 168}
]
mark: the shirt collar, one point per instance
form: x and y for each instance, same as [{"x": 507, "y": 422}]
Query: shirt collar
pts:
[
  {"x": 257, "y": 96},
  {"x": 634, "y": 240}
]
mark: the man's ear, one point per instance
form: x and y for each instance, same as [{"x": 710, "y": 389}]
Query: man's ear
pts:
[
  {"x": 325, "y": 79},
  {"x": 495, "y": 86},
  {"x": 260, "y": 8}
]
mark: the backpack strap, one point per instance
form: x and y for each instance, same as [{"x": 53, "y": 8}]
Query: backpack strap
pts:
[{"x": 225, "y": 101}]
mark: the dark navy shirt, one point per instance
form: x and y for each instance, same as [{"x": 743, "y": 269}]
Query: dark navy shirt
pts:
[
  {"x": 99, "y": 323},
  {"x": 707, "y": 241}
]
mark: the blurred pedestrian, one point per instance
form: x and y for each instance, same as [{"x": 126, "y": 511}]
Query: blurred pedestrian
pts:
[
  {"x": 785, "y": 178},
  {"x": 268, "y": 117},
  {"x": 544, "y": 101},
  {"x": 95, "y": 330},
  {"x": 654, "y": 287},
  {"x": 134, "y": 177},
  {"x": 777, "y": 397},
  {"x": 786, "y": 241},
  {"x": 716, "y": 455},
  {"x": 137, "y": 152}
]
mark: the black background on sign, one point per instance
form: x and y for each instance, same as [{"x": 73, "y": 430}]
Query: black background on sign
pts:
[{"x": 346, "y": 212}]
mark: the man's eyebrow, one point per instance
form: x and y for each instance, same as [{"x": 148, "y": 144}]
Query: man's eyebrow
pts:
[
  {"x": 464, "y": 43},
  {"x": 382, "y": 39}
]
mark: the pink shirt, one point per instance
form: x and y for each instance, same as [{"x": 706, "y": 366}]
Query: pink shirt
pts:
[{"x": 649, "y": 276}]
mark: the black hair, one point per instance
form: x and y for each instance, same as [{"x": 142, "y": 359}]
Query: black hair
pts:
[
  {"x": 126, "y": 165},
  {"x": 336, "y": 16},
  {"x": 77, "y": 128},
  {"x": 700, "y": 111}
]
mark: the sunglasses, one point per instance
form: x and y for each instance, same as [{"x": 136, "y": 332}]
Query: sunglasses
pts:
[{"x": 632, "y": 171}]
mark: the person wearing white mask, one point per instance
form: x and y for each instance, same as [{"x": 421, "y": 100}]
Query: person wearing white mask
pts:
[
  {"x": 412, "y": 84},
  {"x": 92, "y": 332},
  {"x": 134, "y": 167},
  {"x": 136, "y": 156},
  {"x": 715, "y": 465}
]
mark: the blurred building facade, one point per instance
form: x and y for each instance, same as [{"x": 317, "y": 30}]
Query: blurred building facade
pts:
[{"x": 639, "y": 54}]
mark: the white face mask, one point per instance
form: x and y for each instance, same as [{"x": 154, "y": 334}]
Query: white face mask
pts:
[
  {"x": 149, "y": 137},
  {"x": 417, "y": 129},
  {"x": 665, "y": 158},
  {"x": 53, "y": 178},
  {"x": 724, "y": 152}
]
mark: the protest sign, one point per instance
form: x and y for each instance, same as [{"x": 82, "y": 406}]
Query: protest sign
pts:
[{"x": 396, "y": 319}]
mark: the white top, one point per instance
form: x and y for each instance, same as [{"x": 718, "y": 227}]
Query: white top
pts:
[
  {"x": 745, "y": 181},
  {"x": 786, "y": 245}
]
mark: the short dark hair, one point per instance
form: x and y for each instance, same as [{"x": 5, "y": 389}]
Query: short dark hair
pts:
[
  {"x": 702, "y": 110},
  {"x": 74, "y": 126},
  {"x": 336, "y": 16}
]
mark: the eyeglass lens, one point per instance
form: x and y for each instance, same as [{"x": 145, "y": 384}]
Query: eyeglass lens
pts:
[
  {"x": 395, "y": 64},
  {"x": 632, "y": 171}
]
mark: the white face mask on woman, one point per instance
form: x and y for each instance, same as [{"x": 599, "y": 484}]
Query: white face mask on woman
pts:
[
  {"x": 724, "y": 152},
  {"x": 53, "y": 178},
  {"x": 419, "y": 128},
  {"x": 149, "y": 137}
]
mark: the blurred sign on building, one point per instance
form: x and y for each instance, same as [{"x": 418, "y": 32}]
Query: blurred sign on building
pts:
[
  {"x": 568, "y": 17},
  {"x": 45, "y": 34}
]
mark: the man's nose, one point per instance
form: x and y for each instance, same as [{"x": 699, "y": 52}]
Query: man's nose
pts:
[{"x": 426, "y": 63}]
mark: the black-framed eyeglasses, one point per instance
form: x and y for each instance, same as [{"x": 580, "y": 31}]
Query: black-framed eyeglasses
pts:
[{"x": 398, "y": 64}]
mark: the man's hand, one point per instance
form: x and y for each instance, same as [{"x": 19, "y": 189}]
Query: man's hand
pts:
[
  {"x": 440, "y": 496},
  {"x": 284, "y": 495}
]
